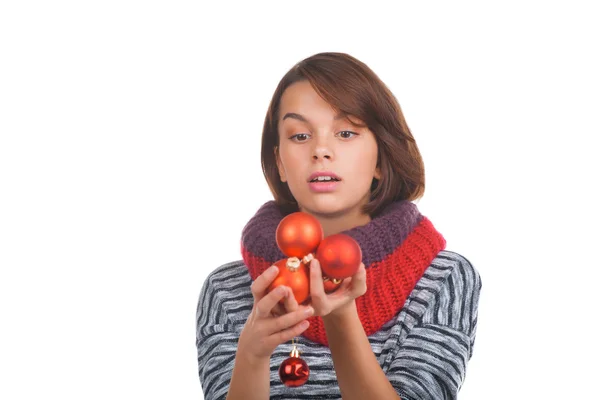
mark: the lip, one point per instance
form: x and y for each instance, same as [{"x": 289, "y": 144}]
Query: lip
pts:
[
  {"x": 323, "y": 173},
  {"x": 323, "y": 187}
]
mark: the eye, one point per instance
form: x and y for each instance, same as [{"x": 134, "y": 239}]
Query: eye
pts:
[
  {"x": 347, "y": 134},
  {"x": 299, "y": 137}
]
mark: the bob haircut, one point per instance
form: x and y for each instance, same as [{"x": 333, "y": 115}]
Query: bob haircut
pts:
[{"x": 353, "y": 89}]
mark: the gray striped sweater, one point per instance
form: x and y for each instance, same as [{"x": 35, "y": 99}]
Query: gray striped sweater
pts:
[{"x": 423, "y": 351}]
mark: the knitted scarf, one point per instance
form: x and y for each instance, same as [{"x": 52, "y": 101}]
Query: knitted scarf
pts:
[{"x": 397, "y": 246}]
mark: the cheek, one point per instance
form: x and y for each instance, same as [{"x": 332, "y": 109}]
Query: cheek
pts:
[
  {"x": 373, "y": 156},
  {"x": 291, "y": 161},
  {"x": 366, "y": 159}
]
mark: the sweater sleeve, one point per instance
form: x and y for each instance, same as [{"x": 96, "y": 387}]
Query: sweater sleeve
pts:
[
  {"x": 216, "y": 336},
  {"x": 431, "y": 361}
]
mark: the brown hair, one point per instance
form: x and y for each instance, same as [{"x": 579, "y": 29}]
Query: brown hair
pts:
[{"x": 352, "y": 88}]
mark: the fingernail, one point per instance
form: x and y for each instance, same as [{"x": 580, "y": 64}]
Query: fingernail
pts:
[
  {"x": 273, "y": 268},
  {"x": 304, "y": 324},
  {"x": 309, "y": 311}
]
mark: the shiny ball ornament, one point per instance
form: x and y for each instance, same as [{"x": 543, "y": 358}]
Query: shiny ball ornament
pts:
[
  {"x": 331, "y": 285},
  {"x": 294, "y": 371},
  {"x": 298, "y": 234},
  {"x": 295, "y": 275},
  {"x": 339, "y": 256}
]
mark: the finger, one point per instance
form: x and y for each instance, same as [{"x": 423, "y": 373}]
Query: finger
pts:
[
  {"x": 359, "y": 281},
  {"x": 317, "y": 290},
  {"x": 269, "y": 301},
  {"x": 287, "y": 334},
  {"x": 278, "y": 310},
  {"x": 260, "y": 284},
  {"x": 342, "y": 289},
  {"x": 353, "y": 286},
  {"x": 289, "y": 320},
  {"x": 290, "y": 304}
]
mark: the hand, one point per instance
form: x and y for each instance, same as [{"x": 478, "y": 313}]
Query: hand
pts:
[
  {"x": 264, "y": 331},
  {"x": 325, "y": 304},
  {"x": 290, "y": 304}
]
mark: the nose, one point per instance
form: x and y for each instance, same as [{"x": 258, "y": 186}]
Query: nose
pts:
[{"x": 322, "y": 150}]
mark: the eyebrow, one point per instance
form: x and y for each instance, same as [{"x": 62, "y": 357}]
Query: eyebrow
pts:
[{"x": 299, "y": 117}]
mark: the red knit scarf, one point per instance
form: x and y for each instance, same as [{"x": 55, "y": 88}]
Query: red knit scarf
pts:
[{"x": 397, "y": 246}]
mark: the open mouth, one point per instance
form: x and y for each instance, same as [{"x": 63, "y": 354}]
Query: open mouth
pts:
[
  {"x": 324, "y": 179},
  {"x": 324, "y": 183}
]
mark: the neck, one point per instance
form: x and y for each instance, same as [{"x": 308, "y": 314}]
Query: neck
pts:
[{"x": 339, "y": 222}]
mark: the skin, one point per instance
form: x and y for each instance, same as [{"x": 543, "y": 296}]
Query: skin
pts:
[
  {"x": 262, "y": 333},
  {"x": 313, "y": 137}
]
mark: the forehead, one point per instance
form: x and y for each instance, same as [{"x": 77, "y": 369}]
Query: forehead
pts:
[{"x": 301, "y": 98}]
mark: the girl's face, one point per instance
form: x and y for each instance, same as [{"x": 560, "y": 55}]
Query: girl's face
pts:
[{"x": 313, "y": 139}]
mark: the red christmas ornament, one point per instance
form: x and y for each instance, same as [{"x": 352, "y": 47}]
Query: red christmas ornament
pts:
[
  {"x": 339, "y": 255},
  {"x": 331, "y": 285},
  {"x": 295, "y": 275},
  {"x": 294, "y": 371},
  {"x": 298, "y": 234}
]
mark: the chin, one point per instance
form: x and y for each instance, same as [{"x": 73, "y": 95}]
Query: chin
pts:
[{"x": 326, "y": 205}]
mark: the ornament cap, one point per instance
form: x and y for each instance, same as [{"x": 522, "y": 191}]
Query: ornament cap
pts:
[
  {"x": 293, "y": 263},
  {"x": 295, "y": 353},
  {"x": 308, "y": 258}
]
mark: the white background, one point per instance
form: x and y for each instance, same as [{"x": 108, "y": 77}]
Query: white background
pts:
[{"x": 130, "y": 162}]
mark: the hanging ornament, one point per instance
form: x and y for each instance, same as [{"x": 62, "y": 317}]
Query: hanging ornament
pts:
[
  {"x": 339, "y": 255},
  {"x": 294, "y": 371},
  {"x": 295, "y": 275},
  {"x": 298, "y": 234}
]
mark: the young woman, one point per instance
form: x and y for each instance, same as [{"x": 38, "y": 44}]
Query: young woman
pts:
[{"x": 404, "y": 325}]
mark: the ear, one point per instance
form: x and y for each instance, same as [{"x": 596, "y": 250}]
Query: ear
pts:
[
  {"x": 280, "y": 168},
  {"x": 377, "y": 174}
]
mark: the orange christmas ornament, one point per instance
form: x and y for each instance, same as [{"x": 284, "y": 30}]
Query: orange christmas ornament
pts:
[
  {"x": 339, "y": 256},
  {"x": 294, "y": 274},
  {"x": 299, "y": 234}
]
